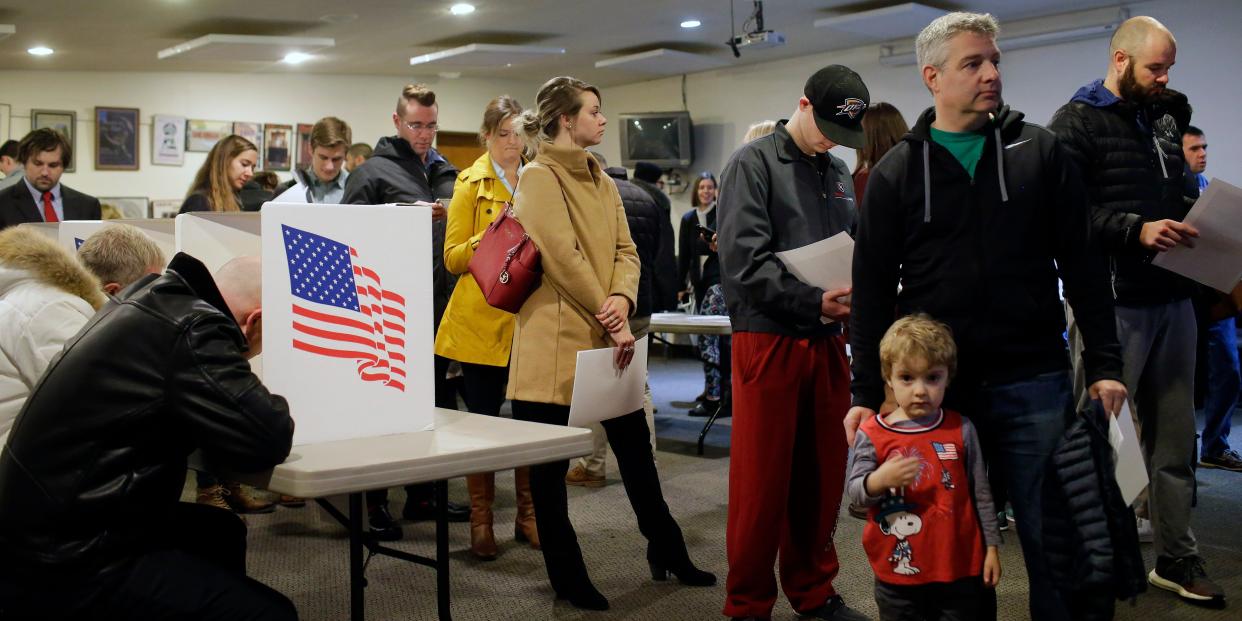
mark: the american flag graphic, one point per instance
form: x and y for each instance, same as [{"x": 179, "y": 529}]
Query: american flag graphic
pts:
[
  {"x": 342, "y": 310},
  {"x": 945, "y": 451}
]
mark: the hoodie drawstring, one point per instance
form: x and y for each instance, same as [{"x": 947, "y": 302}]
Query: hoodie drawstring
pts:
[
  {"x": 926, "y": 181},
  {"x": 1000, "y": 166},
  {"x": 1160, "y": 153}
]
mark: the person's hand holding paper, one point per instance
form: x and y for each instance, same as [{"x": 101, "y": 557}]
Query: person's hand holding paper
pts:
[{"x": 826, "y": 264}]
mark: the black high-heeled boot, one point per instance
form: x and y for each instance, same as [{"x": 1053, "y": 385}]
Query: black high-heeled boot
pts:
[
  {"x": 687, "y": 574},
  {"x": 584, "y": 596}
]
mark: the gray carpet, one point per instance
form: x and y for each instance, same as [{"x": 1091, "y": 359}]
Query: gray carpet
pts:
[{"x": 303, "y": 553}]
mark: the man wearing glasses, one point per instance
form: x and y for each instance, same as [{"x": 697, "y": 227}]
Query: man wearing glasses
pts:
[{"x": 406, "y": 169}]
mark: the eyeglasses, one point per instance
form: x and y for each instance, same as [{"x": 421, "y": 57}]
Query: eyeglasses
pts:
[{"x": 419, "y": 127}]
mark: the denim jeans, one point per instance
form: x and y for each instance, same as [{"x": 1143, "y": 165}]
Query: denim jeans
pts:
[
  {"x": 1222, "y": 388},
  {"x": 1020, "y": 424}
]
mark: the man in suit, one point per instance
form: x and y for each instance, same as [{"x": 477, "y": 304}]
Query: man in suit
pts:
[
  {"x": 40, "y": 197},
  {"x": 9, "y": 165}
]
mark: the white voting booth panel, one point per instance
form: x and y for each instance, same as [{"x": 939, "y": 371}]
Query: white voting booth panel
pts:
[
  {"x": 162, "y": 231},
  {"x": 347, "y": 318},
  {"x": 47, "y": 229}
]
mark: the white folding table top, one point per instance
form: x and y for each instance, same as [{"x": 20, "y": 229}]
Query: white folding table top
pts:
[
  {"x": 681, "y": 323},
  {"x": 460, "y": 444}
]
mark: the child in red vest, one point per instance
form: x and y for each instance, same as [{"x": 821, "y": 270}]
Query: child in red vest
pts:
[{"x": 932, "y": 536}]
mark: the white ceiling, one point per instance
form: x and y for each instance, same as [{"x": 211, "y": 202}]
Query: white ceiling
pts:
[{"x": 378, "y": 37}]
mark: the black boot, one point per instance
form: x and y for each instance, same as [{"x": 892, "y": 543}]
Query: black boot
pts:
[
  {"x": 383, "y": 526},
  {"x": 420, "y": 505}
]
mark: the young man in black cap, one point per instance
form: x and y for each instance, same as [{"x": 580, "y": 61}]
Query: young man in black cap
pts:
[
  {"x": 975, "y": 214},
  {"x": 790, "y": 374}
]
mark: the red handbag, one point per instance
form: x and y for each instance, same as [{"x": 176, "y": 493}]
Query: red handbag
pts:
[{"x": 506, "y": 263}]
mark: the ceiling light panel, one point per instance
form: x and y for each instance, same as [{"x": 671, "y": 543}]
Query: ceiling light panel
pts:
[
  {"x": 894, "y": 22},
  {"x": 662, "y": 61},
  {"x": 486, "y": 55},
  {"x": 230, "y": 47}
]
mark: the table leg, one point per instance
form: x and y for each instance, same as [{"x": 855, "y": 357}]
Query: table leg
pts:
[
  {"x": 724, "y": 402},
  {"x": 442, "y": 551},
  {"x": 357, "y": 581}
]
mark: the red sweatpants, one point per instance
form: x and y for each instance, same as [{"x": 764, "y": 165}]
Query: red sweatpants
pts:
[{"x": 787, "y": 472}]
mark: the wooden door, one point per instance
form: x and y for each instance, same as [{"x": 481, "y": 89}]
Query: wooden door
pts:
[{"x": 461, "y": 149}]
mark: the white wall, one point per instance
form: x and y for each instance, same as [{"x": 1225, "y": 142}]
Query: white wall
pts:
[
  {"x": 365, "y": 102},
  {"x": 1037, "y": 81}
]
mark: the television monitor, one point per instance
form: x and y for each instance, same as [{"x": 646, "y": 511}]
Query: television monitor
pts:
[{"x": 662, "y": 138}]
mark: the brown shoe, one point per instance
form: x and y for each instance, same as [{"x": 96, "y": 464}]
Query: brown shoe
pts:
[
  {"x": 291, "y": 501},
  {"x": 524, "y": 528},
  {"x": 242, "y": 501},
  {"x": 580, "y": 477},
  {"x": 482, "y": 488},
  {"x": 213, "y": 496}
]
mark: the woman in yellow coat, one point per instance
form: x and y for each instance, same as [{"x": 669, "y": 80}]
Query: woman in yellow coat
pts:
[
  {"x": 474, "y": 333},
  {"x": 573, "y": 213}
]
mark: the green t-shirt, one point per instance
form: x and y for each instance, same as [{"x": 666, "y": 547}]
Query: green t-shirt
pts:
[{"x": 967, "y": 147}]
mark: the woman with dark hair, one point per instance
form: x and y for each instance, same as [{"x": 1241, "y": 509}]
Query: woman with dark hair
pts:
[
  {"x": 474, "y": 333},
  {"x": 229, "y": 165},
  {"x": 573, "y": 213},
  {"x": 883, "y": 128},
  {"x": 698, "y": 268}
]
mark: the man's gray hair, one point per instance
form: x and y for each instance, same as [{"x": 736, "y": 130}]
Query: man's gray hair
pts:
[
  {"x": 932, "y": 44},
  {"x": 120, "y": 253}
]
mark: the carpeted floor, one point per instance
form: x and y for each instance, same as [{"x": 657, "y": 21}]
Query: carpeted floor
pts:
[{"x": 303, "y": 553}]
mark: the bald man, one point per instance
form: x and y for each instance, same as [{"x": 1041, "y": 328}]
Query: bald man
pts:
[
  {"x": 1125, "y": 134},
  {"x": 90, "y": 524}
]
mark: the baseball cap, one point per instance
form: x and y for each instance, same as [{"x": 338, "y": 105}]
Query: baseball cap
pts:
[{"x": 840, "y": 100}]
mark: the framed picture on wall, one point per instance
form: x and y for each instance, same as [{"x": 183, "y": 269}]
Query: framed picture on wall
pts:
[
  {"x": 166, "y": 207},
  {"x": 63, "y": 121},
  {"x": 277, "y": 146},
  {"x": 167, "y": 140},
  {"x": 201, "y": 136},
  {"x": 250, "y": 131},
  {"x": 116, "y": 138},
  {"x": 305, "y": 153},
  {"x": 125, "y": 207}
]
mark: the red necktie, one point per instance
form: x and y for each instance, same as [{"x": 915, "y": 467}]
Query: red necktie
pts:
[{"x": 49, "y": 212}]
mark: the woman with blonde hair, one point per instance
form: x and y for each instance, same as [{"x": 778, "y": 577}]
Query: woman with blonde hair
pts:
[
  {"x": 229, "y": 165},
  {"x": 472, "y": 332},
  {"x": 573, "y": 213}
]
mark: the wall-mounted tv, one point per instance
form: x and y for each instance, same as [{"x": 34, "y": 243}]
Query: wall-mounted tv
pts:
[{"x": 662, "y": 138}]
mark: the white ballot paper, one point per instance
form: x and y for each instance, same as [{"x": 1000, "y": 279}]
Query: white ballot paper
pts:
[
  {"x": 601, "y": 391},
  {"x": 1131, "y": 471},
  {"x": 827, "y": 264},
  {"x": 1216, "y": 259}
]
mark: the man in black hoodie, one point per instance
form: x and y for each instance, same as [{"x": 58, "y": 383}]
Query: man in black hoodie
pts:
[
  {"x": 975, "y": 214},
  {"x": 406, "y": 169},
  {"x": 1125, "y": 134}
]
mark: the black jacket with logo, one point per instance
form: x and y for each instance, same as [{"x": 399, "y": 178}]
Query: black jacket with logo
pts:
[
  {"x": 981, "y": 255},
  {"x": 99, "y": 450}
]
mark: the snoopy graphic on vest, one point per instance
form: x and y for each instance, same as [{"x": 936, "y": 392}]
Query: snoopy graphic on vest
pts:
[{"x": 896, "y": 518}]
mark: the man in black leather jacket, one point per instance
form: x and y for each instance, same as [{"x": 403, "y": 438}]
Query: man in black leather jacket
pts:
[{"x": 90, "y": 523}]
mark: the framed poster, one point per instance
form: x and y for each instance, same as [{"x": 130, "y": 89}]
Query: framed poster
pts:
[
  {"x": 167, "y": 140},
  {"x": 125, "y": 207},
  {"x": 250, "y": 131},
  {"x": 277, "y": 146},
  {"x": 116, "y": 138},
  {"x": 201, "y": 136},
  {"x": 166, "y": 207},
  {"x": 305, "y": 152},
  {"x": 63, "y": 121}
]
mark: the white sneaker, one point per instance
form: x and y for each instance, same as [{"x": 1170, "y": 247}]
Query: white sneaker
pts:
[{"x": 1145, "y": 533}]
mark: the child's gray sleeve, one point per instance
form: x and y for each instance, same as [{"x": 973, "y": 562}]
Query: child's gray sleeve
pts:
[
  {"x": 980, "y": 489},
  {"x": 862, "y": 463}
]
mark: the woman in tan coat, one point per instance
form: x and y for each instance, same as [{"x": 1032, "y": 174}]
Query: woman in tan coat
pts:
[
  {"x": 573, "y": 212},
  {"x": 472, "y": 332}
]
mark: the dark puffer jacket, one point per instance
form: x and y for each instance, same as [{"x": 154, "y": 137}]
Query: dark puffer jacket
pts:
[
  {"x": 643, "y": 216},
  {"x": 1131, "y": 159},
  {"x": 1090, "y": 536},
  {"x": 664, "y": 289}
]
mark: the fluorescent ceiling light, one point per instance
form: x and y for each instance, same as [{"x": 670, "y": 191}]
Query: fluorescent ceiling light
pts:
[
  {"x": 890, "y": 58},
  {"x": 40, "y": 51},
  {"x": 484, "y": 55},
  {"x": 296, "y": 58},
  {"x": 691, "y": 23},
  {"x": 462, "y": 8},
  {"x": 243, "y": 48}
]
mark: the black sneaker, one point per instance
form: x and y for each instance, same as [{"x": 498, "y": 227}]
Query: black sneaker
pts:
[
  {"x": 382, "y": 525},
  {"x": 425, "y": 510},
  {"x": 834, "y": 610},
  {"x": 1229, "y": 460},
  {"x": 705, "y": 408},
  {"x": 1187, "y": 578}
]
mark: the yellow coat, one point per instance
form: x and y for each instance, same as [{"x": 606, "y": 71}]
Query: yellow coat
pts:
[
  {"x": 573, "y": 212},
  {"x": 472, "y": 330}
]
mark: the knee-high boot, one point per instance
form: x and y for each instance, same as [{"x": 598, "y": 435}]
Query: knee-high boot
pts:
[
  {"x": 482, "y": 489},
  {"x": 524, "y": 529}
]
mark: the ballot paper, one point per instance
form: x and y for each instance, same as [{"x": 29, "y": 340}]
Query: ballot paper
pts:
[
  {"x": 1216, "y": 259},
  {"x": 1131, "y": 472},
  {"x": 827, "y": 264},
  {"x": 601, "y": 390}
]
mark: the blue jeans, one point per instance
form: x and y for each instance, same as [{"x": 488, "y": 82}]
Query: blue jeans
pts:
[
  {"x": 1020, "y": 425},
  {"x": 1222, "y": 387}
]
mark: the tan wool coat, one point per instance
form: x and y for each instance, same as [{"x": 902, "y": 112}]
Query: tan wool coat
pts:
[{"x": 573, "y": 212}]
